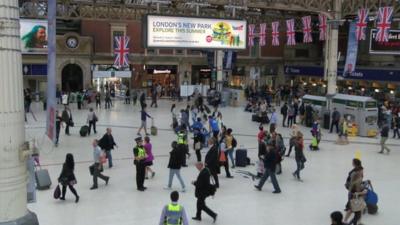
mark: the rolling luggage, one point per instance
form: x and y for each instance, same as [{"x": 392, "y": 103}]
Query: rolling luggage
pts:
[
  {"x": 255, "y": 118},
  {"x": 241, "y": 158},
  {"x": 153, "y": 129},
  {"x": 84, "y": 130},
  {"x": 43, "y": 181}
]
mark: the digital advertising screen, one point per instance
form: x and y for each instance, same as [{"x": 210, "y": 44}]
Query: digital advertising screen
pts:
[{"x": 33, "y": 36}]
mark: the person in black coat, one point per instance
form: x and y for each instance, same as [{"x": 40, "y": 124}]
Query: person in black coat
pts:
[
  {"x": 67, "y": 177},
  {"x": 270, "y": 161},
  {"x": 107, "y": 143},
  {"x": 202, "y": 191},
  {"x": 67, "y": 119},
  {"x": 142, "y": 100},
  {"x": 174, "y": 165},
  {"x": 212, "y": 159}
]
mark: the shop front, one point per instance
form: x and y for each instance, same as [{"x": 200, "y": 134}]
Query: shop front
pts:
[
  {"x": 164, "y": 75},
  {"x": 35, "y": 78},
  {"x": 238, "y": 78},
  {"x": 201, "y": 75},
  {"x": 109, "y": 78}
]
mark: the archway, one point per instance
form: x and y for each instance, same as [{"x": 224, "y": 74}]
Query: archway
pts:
[{"x": 72, "y": 78}]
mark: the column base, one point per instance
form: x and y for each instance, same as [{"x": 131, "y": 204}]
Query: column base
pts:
[{"x": 28, "y": 219}]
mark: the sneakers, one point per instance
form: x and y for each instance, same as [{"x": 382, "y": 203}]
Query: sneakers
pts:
[
  {"x": 257, "y": 187},
  {"x": 276, "y": 192},
  {"x": 167, "y": 188},
  {"x": 108, "y": 178},
  {"x": 215, "y": 218},
  {"x": 196, "y": 218},
  {"x": 94, "y": 187},
  {"x": 153, "y": 174},
  {"x": 77, "y": 199}
]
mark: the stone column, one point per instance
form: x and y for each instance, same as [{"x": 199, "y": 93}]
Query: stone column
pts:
[
  {"x": 333, "y": 37},
  {"x": 13, "y": 172},
  {"x": 220, "y": 69}
]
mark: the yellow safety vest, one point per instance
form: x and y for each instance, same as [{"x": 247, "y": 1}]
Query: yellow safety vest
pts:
[
  {"x": 141, "y": 152},
  {"x": 173, "y": 215},
  {"x": 181, "y": 138}
]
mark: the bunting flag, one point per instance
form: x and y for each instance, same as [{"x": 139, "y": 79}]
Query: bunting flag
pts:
[
  {"x": 251, "y": 34},
  {"x": 121, "y": 51},
  {"x": 361, "y": 24},
  {"x": 384, "y": 21},
  {"x": 322, "y": 27},
  {"x": 307, "y": 37},
  {"x": 275, "y": 33},
  {"x": 262, "y": 35},
  {"x": 290, "y": 32}
]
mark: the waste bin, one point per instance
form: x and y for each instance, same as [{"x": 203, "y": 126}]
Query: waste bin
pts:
[{"x": 327, "y": 119}]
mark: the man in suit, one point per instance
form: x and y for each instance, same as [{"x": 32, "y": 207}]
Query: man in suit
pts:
[
  {"x": 107, "y": 143},
  {"x": 202, "y": 191},
  {"x": 67, "y": 119},
  {"x": 212, "y": 159}
]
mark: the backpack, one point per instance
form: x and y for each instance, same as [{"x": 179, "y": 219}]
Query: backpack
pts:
[{"x": 234, "y": 143}]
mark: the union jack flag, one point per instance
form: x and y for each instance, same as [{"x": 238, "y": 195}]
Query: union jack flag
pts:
[
  {"x": 361, "y": 24},
  {"x": 291, "y": 40},
  {"x": 275, "y": 33},
  {"x": 121, "y": 51},
  {"x": 384, "y": 21},
  {"x": 262, "y": 35},
  {"x": 252, "y": 27},
  {"x": 307, "y": 37},
  {"x": 322, "y": 27}
]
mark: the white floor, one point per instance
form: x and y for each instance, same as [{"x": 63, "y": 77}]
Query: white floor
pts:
[{"x": 236, "y": 202}]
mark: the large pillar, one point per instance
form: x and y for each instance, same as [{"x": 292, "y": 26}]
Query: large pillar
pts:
[
  {"x": 333, "y": 49},
  {"x": 13, "y": 172},
  {"x": 220, "y": 69}
]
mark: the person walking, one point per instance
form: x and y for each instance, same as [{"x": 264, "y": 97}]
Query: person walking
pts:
[
  {"x": 142, "y": 100},
  {"x": 273, "y": 120},
  {"x": 335, "y": 120},
  {"x": 107, "y": 143},
  {"x": 292, "y": 140},
  {"x": 67, "y": 119},
  {"x": 58, "y": 127},
  {"x": 127, "y": 96},
  {"x": 143, "y": 118},
  {"x": 284, "y": 112},
  {"x": 354, "y": 187},
  {"x": 91, "y": 120},
  {"x": 213, "y": 126},
  {"x": 98, "y": 100},
  {"x": 182, "y": 140},
  {"x": 212, "y": 159},
  {"x": 153, "y": 97},
  {"x": 384, "y": 137},
  {"x": 269, "y": 165},
  {"x": 149, "y": 159},
  {"x": 299, "y": 155},
  {"x": 173, "y": 213},
  {"x": 97, "y": 168},
  {"x": 291, "y": 115},
  {"x": 174, "y": 165},
  {"x": 79, "y": 100},
  {"x": 140, "y": 156},
  {"x": 67, "y": 177},
  {"x": 107, "y": 100},
  {"x": 231, "y": 144},
  {"x": 396, "y": 125},
  {"x": 203, "y": 189}
]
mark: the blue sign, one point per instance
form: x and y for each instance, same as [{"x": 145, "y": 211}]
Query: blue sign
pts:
[
  {"x": 352, "y": 50},
  {"x": 358, "y": 74},
  {"x": 34, "y": 69}
]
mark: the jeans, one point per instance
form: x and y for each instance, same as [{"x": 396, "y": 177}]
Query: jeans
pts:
[
  {"x": 300, "y": 166},
  {"x": 336, "y": 124},
  {"x": 396, "y": 132},
  {"x": 92, "y": 123},
  {"x": 269, "y": 172},
  {"x": 383, "y": 145},
  {"x": 97, "y": 173},
  {"x": 201, "y": 206},
  {"x": 290, "y": 121},
  {"x": 109, "y": 157},
  {"x": 229, "y": 153},
  {"x": 176, "y": 172}
]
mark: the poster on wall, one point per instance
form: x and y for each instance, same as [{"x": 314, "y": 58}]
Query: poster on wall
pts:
[
  {"x": 33, "y": 36},
  {"x": 194, "y": 32},
  {"x": 392, "y": 47}
]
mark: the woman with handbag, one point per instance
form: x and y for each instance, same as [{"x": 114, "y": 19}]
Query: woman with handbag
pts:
[
  {"x": 355, "y": 203},
  {"x": 67, "y": 177},
  {"x": 299, "y": 155}
]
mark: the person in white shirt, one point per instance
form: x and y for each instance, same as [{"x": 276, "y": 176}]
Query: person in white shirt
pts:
[
  {"x": 97, "y": 166},
  {"x": 91, "y": 120}
]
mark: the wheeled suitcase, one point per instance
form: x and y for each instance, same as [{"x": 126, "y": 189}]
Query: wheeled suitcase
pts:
[
  {"x": 241, "y": 158},
  {"x": 84, "y": 130},
  {"x": 43, "y": 181},
  {"x": 255, "y": 118},
  {"x": 153, "y": 129}
]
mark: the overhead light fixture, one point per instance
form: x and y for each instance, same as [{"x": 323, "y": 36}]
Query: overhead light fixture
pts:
[
  {"x": 391, "y": 92},
  {"x": 377, "y": 90},
  {"x": 314, "y": 84},
  {"x": 305, "y": 83},
  {"x": 362, "y": 89},
  {"x": 324, "y": 85},
  {"x": 350, "y": 88}
]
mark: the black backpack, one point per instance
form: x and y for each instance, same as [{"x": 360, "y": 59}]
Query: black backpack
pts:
[{"x": 234, "y": 143}]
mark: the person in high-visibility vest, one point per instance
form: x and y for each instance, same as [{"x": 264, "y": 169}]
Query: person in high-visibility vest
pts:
[
  {"x": 183, "y": 144},
  {"x": 140, "y": 157},
  {"x": 173, "y": 213}
]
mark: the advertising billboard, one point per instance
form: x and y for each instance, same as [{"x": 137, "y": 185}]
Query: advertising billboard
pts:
[
  {"x": 194, "y": 32},
  {"x": 33, "y": 36},
  {"x": 392, "y": 47}
]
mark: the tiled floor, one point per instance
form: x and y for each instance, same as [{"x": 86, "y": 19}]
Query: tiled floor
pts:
[{"x": 236, "y": 202}]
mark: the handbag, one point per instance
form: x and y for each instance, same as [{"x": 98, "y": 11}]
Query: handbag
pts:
[
  {"x": 95, "y": 119},
  {"x": 57, "y": 192},
  {"x": 222, "y": 157},
  {"x": 357, "y": 204}
]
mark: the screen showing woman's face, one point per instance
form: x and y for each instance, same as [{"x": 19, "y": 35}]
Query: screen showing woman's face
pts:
[{"x": 41, "y": 35}]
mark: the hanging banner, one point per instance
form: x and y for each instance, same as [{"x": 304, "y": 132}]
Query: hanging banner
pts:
[
  {"x": 195, "y": 32},
  {"x": 290, "y": 32},
  {"x": 362, "y": 22},
  {"x": 392, "y": 47},
  {"x": 307, "y": 37},
  {"x": 252, "y": 28},
  {"x": 352, "y": 50},
  {"x": 322, "y": 27},
  {"x": 262, "y": 35},
  {"x": 51, "y": 71},
  {"x": 275, "y": 33},
  {"x": 383, "y": 24}
]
